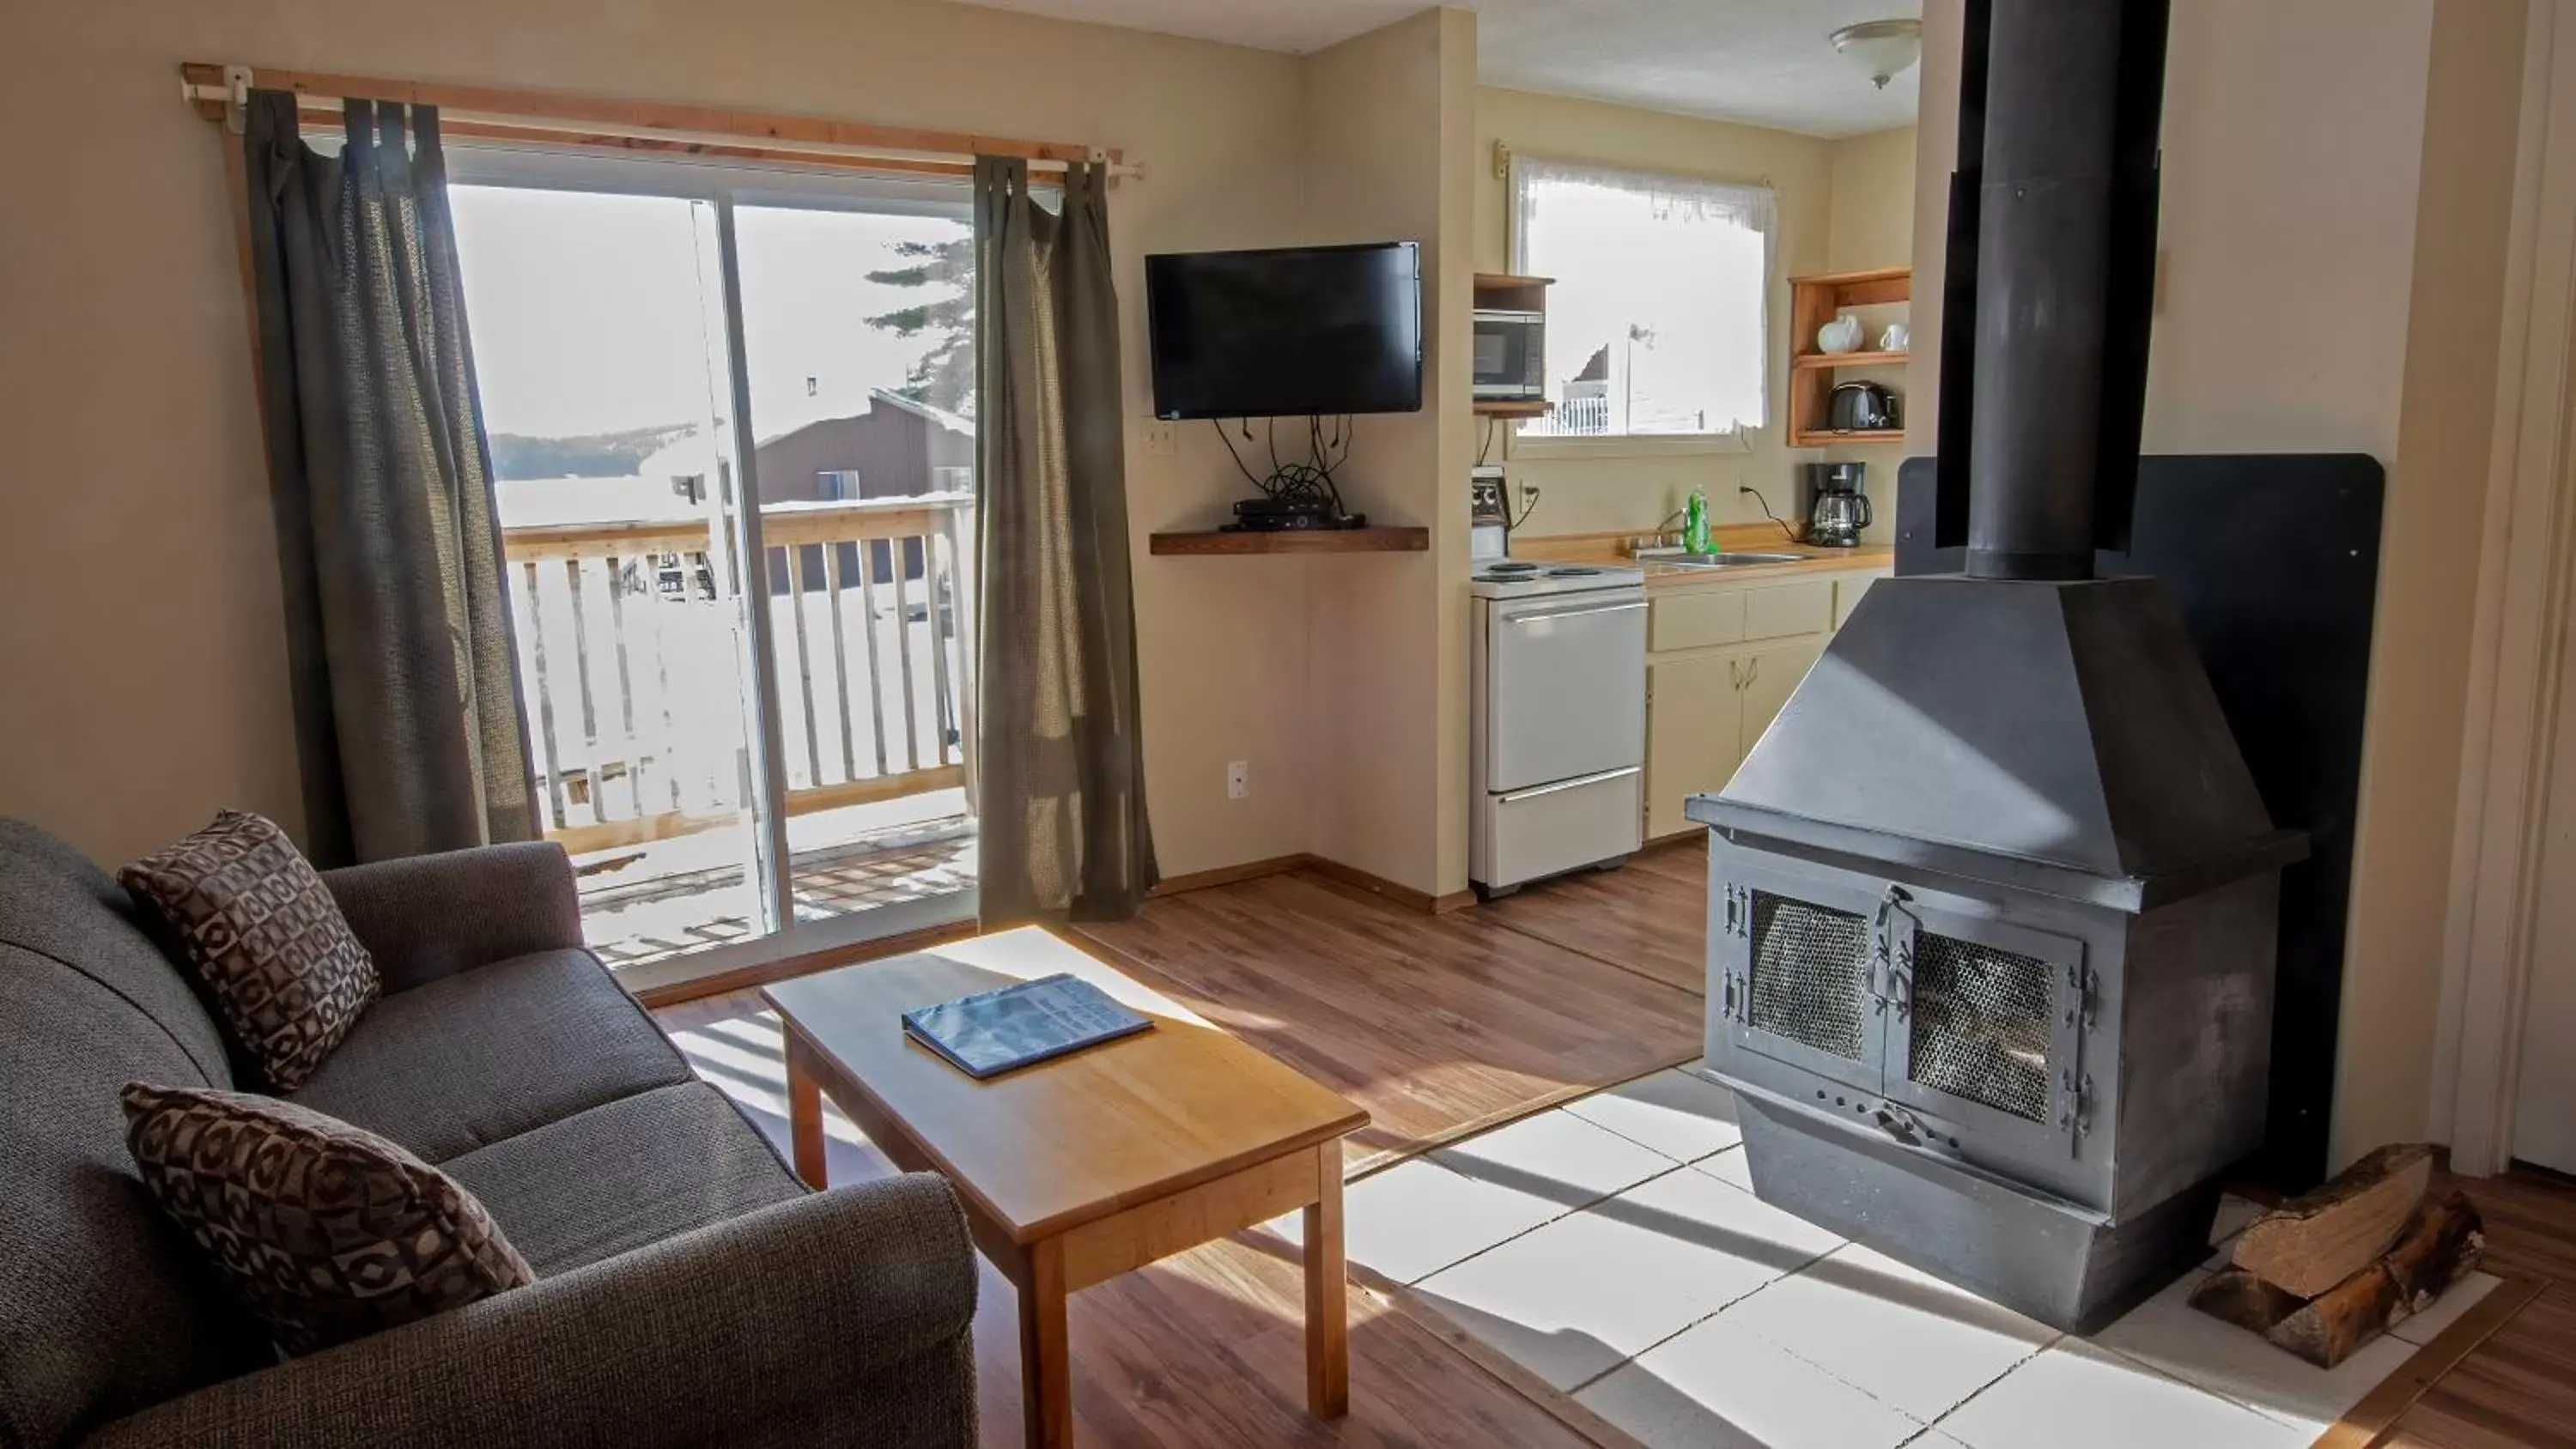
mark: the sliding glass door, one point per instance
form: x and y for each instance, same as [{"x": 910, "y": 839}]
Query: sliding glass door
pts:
[{"x": 730, "y": 427}]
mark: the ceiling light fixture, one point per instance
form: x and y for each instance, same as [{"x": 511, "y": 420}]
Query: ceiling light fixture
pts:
[{"x": 1883, "y": 48}]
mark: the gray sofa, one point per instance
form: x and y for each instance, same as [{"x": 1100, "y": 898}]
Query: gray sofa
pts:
[{"x": 690, "y": 1290}]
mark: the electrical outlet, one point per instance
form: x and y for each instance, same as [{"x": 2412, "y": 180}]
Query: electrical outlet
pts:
[
  {"x": 1238, "y": 779},
  {"x": 1162, "y": 438}
]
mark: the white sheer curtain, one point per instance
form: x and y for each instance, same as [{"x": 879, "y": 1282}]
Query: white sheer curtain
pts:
[{"x": 1657, "y": 323}]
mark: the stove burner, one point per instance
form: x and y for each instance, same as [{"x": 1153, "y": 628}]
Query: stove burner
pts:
[
  {"x": 1515, "y": 566},
  {"x": 1572, "y": 571}
]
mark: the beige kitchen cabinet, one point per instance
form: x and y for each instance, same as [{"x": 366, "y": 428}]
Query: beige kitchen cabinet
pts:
[
  {"x": 1721, "y": 663},
  {"x": 1694, "y": 731},
  {"x": 1769, "y": 675}
]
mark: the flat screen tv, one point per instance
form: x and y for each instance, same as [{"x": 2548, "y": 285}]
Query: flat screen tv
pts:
[{"x": 1289, "y": 332}]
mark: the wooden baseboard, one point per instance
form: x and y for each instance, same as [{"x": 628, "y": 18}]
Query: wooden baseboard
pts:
[
  {"x": 1351, "y": 875},
  {"x": 1199, "y": 880},
  {"x": 1378, "y": 885}
]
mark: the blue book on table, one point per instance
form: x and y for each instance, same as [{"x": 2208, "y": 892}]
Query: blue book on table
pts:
[{"x": 992, "y": 1032}]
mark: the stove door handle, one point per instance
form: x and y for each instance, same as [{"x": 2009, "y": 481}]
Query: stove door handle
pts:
[
  {"x": 1577, "y": 783},
  {"x": 1536, "y": 618},
  {"x": 1898, "y": 1123}
]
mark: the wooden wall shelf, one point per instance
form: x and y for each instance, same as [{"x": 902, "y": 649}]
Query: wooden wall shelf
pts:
[
  {"x": 1826, "y": 438},
  {"x": 1815, "y": 300},
  {"x": 1828, "y": 361},
  {"x": 1511, "y": 408},
  {"x": 1293, "y": 540},
  {"x": 1512, "y": 293}
]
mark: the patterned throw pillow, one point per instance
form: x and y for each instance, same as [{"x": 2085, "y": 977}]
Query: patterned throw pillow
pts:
[
  {"x": 329, "y": 1233},
  {"x": 266, "y": 938}
]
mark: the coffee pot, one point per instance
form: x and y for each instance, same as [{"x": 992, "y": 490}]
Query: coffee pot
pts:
[{"x": 1838, "y": 509}]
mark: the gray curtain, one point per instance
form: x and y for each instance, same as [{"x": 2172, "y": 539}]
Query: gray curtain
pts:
[
  {"x": 1060, "y": 779},
  {"x": 406, "y": 696}
]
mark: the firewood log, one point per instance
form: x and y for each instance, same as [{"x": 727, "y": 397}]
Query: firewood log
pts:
[
  {"x": 2311, "y": 1244},
  {"x": 2244, "y": 1300},
  {"x": 2442, "y": 1242}
]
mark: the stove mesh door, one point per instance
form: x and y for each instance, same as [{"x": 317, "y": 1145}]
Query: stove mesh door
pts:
[
  {"x": 1982, "y": 1024},
  {"x": 1810, "y": 974}
]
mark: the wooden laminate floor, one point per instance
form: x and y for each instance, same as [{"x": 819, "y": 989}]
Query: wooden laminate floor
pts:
[
  {"x": 1439, "y": 1025},
  {"x": 2519, "y": 1387}
]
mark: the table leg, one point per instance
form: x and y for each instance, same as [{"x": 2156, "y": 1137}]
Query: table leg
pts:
[
  {"x": 805, "y": 1117},
  {"x": 1328, "y": 1324},
  {"x": 1046, "y": 1373}
]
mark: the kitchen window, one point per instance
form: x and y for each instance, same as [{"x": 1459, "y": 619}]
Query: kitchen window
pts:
[{"x": 1657, "y": 324}]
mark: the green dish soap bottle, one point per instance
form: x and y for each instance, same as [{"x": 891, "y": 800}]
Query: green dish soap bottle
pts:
[{"x": 1695, "y": 522}]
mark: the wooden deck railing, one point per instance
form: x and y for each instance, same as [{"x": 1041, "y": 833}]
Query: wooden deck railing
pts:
[{"x": 630, "y": 661}]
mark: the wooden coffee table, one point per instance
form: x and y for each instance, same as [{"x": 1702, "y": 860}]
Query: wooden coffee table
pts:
[{"x": 1080, "y": 1169}]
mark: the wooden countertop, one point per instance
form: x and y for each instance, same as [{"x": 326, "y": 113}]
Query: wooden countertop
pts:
[{"x": 1758, "y": 538}]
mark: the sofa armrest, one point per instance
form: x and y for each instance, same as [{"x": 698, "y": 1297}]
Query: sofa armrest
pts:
[
  {"x": 430, "y": 916},
  {"x": 844, "y": 1317}
]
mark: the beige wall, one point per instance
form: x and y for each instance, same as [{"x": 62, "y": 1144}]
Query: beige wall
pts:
[
  {"x": 149, "y": 688},
  {"x": 1386, "y": 118},
  {"x": 1871, "y": 218},
  {"x": 2428, "y": 583},
  {"x": 1837, "y": 200},
  {"x": 1872, "y": 225},
  {"x": 2336, "y": 191}
]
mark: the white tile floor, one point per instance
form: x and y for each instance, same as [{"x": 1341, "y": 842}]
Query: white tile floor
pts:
[{"x": 1614, "y": 1248}]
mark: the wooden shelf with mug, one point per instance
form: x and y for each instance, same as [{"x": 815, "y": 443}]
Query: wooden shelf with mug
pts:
[{"x": 1815, "y": 300}]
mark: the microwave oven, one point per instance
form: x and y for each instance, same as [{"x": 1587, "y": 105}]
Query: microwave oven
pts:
[{"x": 1511, "y": 355}]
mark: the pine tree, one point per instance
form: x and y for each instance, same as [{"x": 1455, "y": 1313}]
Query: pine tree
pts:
[{"x": 945, "y": 375}]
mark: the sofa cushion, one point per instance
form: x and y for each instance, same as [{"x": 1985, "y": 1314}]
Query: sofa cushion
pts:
[
  {"x": 56, "y": 904},
  {"x": 104, "y": 1306},
  {"x": 484, "y": 1055},
  {"x": 327, "y": 1232},
  {"x": 626, "y": 1174},
  {"x": 264, "y": 935}
]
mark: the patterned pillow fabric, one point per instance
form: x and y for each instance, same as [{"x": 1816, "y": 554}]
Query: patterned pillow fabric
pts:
[
  {"x": 263, "y": 933},
  {"x": 328, "y": 1232}
]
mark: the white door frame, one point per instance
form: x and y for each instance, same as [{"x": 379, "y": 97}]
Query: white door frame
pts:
[{"x": 2518, "y": 654}]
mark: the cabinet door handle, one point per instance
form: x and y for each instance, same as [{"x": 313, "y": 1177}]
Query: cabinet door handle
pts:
[
  {"x": 1752, "y": 671},
  {"x": 1735, "y": 673}
]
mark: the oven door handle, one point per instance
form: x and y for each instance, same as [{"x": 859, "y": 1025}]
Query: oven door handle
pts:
[
  {"x": 1577, "y": 783},
  {"x": 1582, "y": 613}
]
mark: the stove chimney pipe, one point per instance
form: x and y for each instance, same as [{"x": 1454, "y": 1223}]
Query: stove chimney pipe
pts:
[{"x": 2059, "y": 112}]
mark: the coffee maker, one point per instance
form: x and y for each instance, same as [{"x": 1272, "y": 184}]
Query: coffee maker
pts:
[{"x": 1837, "y": 507}]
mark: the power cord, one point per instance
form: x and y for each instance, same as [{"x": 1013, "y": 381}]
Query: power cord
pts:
[
  {"x": 1529, "y": 499},
  {"x": 1308, "y": 482},
  {"x": 1766, "y": 509}
]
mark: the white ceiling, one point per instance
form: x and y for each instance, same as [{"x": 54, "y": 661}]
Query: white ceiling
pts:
[{"x": 1766, "y": 62}]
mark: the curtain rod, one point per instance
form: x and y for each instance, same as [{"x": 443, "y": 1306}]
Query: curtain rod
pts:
[{"x": 220, "y": 92}]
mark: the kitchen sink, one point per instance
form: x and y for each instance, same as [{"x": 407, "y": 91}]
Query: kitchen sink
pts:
[{"x": 1729, "y": 560}]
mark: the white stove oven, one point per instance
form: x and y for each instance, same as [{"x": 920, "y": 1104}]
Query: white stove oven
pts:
[{"x": 1559, "y": 727}]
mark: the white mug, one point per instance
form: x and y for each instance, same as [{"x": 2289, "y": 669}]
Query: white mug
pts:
[{"x": 1894, "y": 338}]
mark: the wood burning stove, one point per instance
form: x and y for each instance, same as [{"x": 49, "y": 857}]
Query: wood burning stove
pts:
[
  {"x": 1997, "y": 1000},
  {"x": 1993, "y": 902}
]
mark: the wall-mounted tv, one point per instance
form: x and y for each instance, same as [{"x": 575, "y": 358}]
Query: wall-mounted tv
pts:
[{"x": 1288, "y": 332}]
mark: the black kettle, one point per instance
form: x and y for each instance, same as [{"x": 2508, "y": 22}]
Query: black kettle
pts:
[{"x": 1861, "y": 407}]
